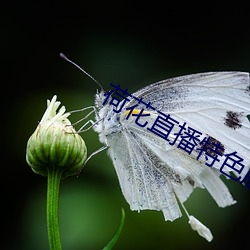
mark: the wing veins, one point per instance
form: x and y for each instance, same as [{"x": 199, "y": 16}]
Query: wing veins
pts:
[
  {"x": 130, "y": 153},
  {"x": 144, "y": 184}
]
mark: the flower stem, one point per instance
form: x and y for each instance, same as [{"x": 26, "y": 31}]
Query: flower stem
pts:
[{"x": 54, "y": 177}]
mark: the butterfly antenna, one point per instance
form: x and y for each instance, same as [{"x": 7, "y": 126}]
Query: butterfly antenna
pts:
[{"x": 68, "y": 60}]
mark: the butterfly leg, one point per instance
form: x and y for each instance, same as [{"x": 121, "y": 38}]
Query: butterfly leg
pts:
[
  {"x": 96, "y": 152},
  {"x": 91, "y": 155},
  {"x": 86, "y": 116},
  {"x": 81, "y": 129}
]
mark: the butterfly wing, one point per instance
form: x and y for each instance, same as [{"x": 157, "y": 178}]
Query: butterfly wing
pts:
[{"x": 215, "y": 103}]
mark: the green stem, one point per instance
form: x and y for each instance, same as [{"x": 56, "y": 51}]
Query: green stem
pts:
[{"x": 54, "y": 177}]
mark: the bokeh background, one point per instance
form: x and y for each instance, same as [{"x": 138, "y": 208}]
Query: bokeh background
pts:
[{"x": 122, "y": 42}]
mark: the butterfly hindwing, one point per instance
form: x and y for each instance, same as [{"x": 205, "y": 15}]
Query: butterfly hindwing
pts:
[{"x": 141, "y": 180}]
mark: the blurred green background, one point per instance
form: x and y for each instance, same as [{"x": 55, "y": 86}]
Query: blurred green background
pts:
[{"x": 122, "y": 43}]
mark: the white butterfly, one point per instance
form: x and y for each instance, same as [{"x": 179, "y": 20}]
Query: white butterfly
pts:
[{"x": 154, "y": 174}]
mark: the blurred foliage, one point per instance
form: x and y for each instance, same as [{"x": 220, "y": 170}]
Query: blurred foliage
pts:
[{"x": 121, "y": 45}]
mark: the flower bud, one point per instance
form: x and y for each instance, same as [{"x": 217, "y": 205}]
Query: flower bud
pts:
[{"x": 55, "y": 144}]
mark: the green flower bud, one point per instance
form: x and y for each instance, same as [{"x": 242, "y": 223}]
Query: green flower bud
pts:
[{"x": 55, "y": 144}]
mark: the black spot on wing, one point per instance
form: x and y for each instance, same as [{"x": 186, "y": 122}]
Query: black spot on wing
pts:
[
  {"x": 233, "y": 119},
  {"x": 248, "y": 89},
  {"x": 214, "y": 147},
  {"x": 191, "y": 181}
]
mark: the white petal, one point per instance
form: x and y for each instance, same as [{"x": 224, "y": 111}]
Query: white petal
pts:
[
  {"x": 200, "y": 228},
  {"x": 50, "y": 109}
]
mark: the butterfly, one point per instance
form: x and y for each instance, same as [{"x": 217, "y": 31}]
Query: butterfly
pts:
[
  {"x": 155, "y": 175},
  {"x": 158, "y": 168}
]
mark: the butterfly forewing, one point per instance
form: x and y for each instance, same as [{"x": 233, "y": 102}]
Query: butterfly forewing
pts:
[{"x": 216, "y": 104}]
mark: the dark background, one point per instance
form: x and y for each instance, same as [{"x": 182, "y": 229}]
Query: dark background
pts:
[{"x": 122, "y": 42}]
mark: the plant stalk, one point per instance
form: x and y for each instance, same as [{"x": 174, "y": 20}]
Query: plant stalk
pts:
[{"x": 53, "y": 185}]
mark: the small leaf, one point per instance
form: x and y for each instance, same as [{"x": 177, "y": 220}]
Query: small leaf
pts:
[{"x": 110, "y": 245}]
